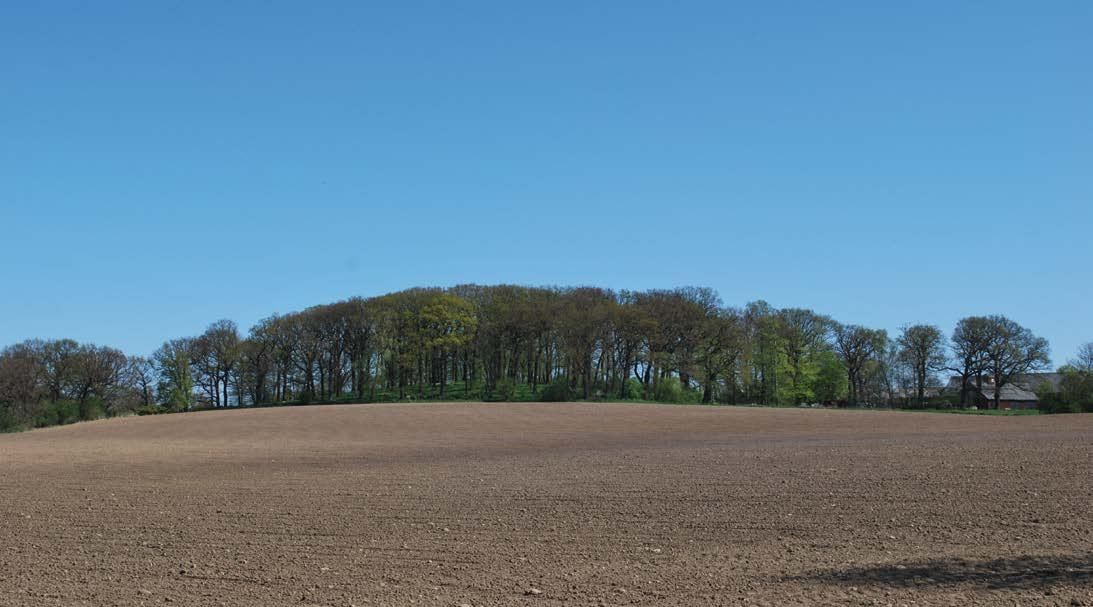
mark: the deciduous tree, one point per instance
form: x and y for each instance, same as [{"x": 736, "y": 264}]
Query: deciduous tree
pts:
[
  {"x": 857, "y": 346},
  {"x": 922, "y": 349},
  {"x": 1012, "y": 350}
]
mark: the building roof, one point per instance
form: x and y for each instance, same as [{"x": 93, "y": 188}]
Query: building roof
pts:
[
  {"x": 1032, "y": 381},
  {"x": 1027, "y": 382},
  {"x": 1009, "y": 392},
  {"x": 908, "y": 392}
]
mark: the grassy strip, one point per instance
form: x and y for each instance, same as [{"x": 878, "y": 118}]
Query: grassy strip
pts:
[
  {"x": 518, "y": 393},
  {"x": 524, "y": 394}
]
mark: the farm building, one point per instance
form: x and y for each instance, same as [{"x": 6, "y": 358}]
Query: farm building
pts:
[{"x": 1018, "y": 393}]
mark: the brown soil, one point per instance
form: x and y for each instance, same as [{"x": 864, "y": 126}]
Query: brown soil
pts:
[{"x": 549, "y": 504}]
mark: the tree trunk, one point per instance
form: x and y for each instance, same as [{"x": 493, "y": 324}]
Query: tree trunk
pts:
[
  {"x": 707, "y": 391},
  {"x": 443, "y": 374}
]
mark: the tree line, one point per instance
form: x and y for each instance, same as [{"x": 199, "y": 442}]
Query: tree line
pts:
[{"x": 530, "y": 343}]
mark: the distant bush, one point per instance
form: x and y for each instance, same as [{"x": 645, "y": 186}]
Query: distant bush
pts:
[
  {"x": 671, "y": 390},
  {"x": 503, "y": 391},
  {"x": 57, "y": 413},
  {"x": 556, "y": 391},
  {"x": 949, "y": 400},
  {"x": 93, "y": 407},
  {"x": 1075, "y": 393},
  {"x": 1054, "y": 402},
  {"x": 668, "y": 390},
  {"x": 127, "y": 404},
  {"x": 9, "y": 422},
  {"x": 634, "y": 389},
  {"x": 1077, "y": 389},
  {"x": 152, "y": 410}
]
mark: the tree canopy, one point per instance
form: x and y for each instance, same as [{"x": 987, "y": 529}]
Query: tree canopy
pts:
[{"x": 497, "y": 342}]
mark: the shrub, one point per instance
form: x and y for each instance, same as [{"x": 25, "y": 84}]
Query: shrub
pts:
[
  {"x": 8, "y": 420},
  {"x": 125, "y": 404},
  {"x": 92, "y": 407},
  {"x": 671, "y": 390},
  {"x": 152, "y": 410},
  {"x": 504, "y": 391},
  {"x": 948, "y": 400},
  {"x": 668, "y": 390},
  {"x": 1053, "y": 402},
  {"x": 634, "y": 389},
  {"x": 557, "y": 391},
  {"x": 57, "y": 413}
]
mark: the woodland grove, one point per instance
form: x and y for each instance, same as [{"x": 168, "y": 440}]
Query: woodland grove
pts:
[{"x": 530, "y": 343}]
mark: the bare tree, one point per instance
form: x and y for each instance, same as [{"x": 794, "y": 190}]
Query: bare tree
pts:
[
  {"x": 142, "y": 376},
  {"x": 98, "y": 372},
  {"x": 857, "y": 346},
  {"x": 21, "y": 380},
  {"x": 718, "y": 351},
  {"x": 922, "y": 349},
  {"x": 970, "y": 341},
  {"x": 259, "y": 352},
  {"x": 214, "y": 355},
  {"x": 1012, "y": 350},
  {"x": 586, "y": 315},
  {"x": 58, "y": 359},
  {"x": 1084, "y": 360}
]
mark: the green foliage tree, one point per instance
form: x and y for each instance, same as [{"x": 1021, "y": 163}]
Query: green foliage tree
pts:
[
  {"x": 765, "y": 358},
  {"x": 830, "y": 384},
  {"x": 176, "y": 385},
  {"x": 508, "y": 341},
  {"x": 1074, "y": 393},
  {"x": 448, "y": 324},
  {"x": 802, "y": 335}
]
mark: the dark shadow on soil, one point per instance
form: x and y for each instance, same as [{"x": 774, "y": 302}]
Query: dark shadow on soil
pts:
[{"x": 1025, "y": 572}]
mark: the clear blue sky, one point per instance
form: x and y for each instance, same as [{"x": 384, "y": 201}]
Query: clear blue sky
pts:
[{"x": 167, "y": 164}]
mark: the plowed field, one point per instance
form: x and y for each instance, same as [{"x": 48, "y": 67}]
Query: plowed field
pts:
[{"x": 549, "y": 504}]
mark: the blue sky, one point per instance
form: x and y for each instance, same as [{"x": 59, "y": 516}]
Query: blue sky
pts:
[{"x": 167, "y": 164}]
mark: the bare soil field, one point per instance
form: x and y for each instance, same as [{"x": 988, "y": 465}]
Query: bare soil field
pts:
[{"x": 549, "y": 504}]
